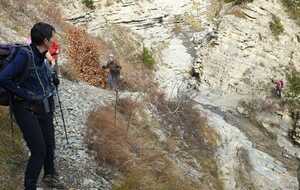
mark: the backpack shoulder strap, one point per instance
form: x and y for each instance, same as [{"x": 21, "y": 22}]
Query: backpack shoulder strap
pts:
[{"x": 29, "y": 63}]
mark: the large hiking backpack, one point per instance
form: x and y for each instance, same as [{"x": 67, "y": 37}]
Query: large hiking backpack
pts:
[{"x": 7, "y": 54}]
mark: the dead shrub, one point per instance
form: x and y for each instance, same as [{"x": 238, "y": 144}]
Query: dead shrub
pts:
[
  {"x": 131, "y": 151},
  {"x": 84, "y": 52},
  {"x": 181, "y": 115},
  {"x": 148, "y": 178},
  {"x": 111, "y": 143},
  {"x": 137, "y": 152},
  {"x": 177, "y": 111},
  {"x": 127, "y": 108}
]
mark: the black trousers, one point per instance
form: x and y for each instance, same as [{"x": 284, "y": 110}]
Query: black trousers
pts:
[{"x": 38, "y": 133}]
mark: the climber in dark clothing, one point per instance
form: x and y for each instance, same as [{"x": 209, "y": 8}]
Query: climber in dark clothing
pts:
[
  {"x": 32, "y": 105},
  {"x": 114, "y": 72}
]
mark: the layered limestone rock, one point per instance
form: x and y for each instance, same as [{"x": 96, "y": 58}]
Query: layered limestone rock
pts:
[{"x": 247, "y": 55}]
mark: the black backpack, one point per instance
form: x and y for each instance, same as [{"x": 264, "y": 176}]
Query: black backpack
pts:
[{"x": 7, "y": 54}]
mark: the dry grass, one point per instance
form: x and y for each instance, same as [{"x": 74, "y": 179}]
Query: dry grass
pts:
[
  {"x": 202, "y": 140},
  {"x": 192, "y": 21},
  {"x": 131, "y": 146},
  {"x": 111, "y": 142},
  {"x": 110, "y": 137},
  {"x": 126, "y": 44},
  {"x": 16, "y": 5},
  {"x": 215, "y": 9},
  {"x": 144, "y": 178},
  {"x": 20, "y": 16},
  {"x": 84, "y": 56},
  {"x": 11, "y": 155}
]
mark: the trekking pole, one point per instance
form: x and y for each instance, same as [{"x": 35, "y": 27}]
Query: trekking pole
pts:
[
  {"x": 117, "y": 94},
  {"x": 62, "y": 114},
  {"x": 116, "y": 107}
]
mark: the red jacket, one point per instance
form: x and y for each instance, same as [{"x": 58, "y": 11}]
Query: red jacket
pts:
[{"x": 279, "y": 84}]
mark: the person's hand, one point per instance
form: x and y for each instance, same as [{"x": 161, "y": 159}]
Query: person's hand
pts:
[
  {"x": 52, "y": 62},
  {"x": 55, "y": 78}
]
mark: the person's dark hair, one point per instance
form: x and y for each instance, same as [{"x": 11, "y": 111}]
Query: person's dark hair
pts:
[{"x": 41, "y": 31}]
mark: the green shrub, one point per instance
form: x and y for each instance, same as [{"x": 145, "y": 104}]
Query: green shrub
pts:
[
  {"x": 148, "y": 57},
  {"x": 293, "y": 8},
  {"x": 276, "y": 26},
  {"x": 89, "y": 4},
  {"x": 293, "y": 88}
]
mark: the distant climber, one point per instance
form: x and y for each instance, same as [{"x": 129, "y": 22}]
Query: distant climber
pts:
[
  {"x": 114, "y": 72},
  {"x": 278, "y": 87}
]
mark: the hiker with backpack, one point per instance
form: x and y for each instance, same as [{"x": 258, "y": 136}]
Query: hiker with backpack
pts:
[
  {"x": 28, "y": 85},
  {"x": 114, "y": 72}
]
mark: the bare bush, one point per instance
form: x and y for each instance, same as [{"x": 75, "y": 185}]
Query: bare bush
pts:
[
  {"x": 111, "y": 142},
  {"x": 135, "y": 151}
]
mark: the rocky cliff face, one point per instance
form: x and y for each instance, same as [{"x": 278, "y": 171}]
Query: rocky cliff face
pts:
[
  {"x": 247, "y": 54},
  {"x": 236, "y": 55}
]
